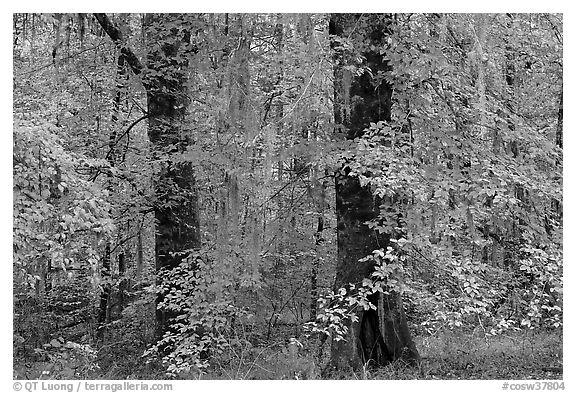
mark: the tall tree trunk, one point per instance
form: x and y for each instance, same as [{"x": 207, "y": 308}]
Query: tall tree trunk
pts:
[
  {"x": 106, "y": 287},
  {"x": 480, "y": 25},
  {"x": 166, "y": 79},
  {"x": 176, "y": 204},
  {"x": 556, "y": 204},
  {"x": 379, "y": 336},
  {"x": 319, "y": 194},
  {"x": 514, "y": 145}
]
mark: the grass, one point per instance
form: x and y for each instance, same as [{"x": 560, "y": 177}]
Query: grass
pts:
[
  {"x": 523, "y": 355},
  {"x": 448, "y": 355}
]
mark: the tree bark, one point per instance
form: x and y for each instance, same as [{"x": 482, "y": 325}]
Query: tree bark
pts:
[
  {"x": 379, "y": 336},
  {"x": 165, "y": 80},
  {"x": 560, "y": 123},
  {"x": 116, "y": 35},
  {"x": 112, "y": 158},
  {"x": 176, "y": 205},
  {"x": 105, "y": 287}
]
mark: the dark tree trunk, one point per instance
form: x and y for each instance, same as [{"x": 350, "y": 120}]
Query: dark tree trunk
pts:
[
  {"x": 106, "y": 288},
  {"x": 165, "y": 79},
  {"x": 379, "y": 336},
  {"x": 315, "y": 266},
  {"x": 176, "y": 206}
]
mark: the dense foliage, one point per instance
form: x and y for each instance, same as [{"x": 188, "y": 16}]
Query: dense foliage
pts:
[
  {"x": 468, "y": 170},
  {"x": 479, "y": 172}
]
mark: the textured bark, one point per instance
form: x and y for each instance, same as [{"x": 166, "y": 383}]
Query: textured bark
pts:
[
  {"x": 165, "y": 79},
  {"x": 379, "y": 336},
  {"x": 176, "y": 206}
]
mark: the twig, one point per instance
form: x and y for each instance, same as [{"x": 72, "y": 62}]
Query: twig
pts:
[
  {"x": 134, "y": 123},
  {"x": 64, "y": 58}
]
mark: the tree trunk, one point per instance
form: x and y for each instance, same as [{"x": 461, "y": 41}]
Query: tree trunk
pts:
[
  {"x": 379, "y": 336},
  {"x": 176, "y": 204},
  {"x": 319, "y": 194},
  {"x": 560, "y": 123},
  {"x": 104, "y": 315},
  {"x": 165, "y": 79},
  {"x": 105, "y": 288}
]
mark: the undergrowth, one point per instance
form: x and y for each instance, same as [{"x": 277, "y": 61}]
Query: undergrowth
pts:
[
  {"x": 446, "y": 355},
  {"x": 521, "y": 355}
]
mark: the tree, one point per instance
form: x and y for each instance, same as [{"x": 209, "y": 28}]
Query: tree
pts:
[
  {"x": 442, "y": 134},
  {"x": 176, "y": 205},
  {"x": 165, "y": 80},
  {"x": 363, "y": 96}
]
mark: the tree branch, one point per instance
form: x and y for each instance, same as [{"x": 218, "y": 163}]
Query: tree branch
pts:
[
  {"x": 116, "y": 35},
  {"x": 124, "y": 133},
  {"x": 63, "y": 58}
]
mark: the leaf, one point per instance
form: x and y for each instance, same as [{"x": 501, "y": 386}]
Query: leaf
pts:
[{"x": 55, "y": 343}]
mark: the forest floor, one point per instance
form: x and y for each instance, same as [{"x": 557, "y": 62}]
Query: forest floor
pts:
[
  {"x": 524, "y": 355},
  {"x": 517, "y": 356},
  {"x": 445, "y": 356}
]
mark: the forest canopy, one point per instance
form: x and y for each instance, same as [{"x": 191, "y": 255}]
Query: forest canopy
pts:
[{"x": 270, "y": 196}]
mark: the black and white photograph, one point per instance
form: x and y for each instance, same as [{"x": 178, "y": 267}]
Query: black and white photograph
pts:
[{"x": 287, "y": 196}]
